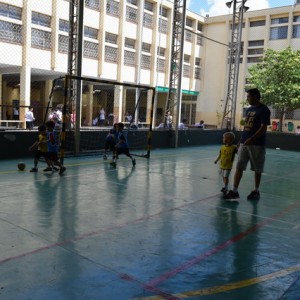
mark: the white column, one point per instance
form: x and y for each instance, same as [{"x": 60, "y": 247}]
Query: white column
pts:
[
  {"x": 1, "y": 99},
  {"x": 118, "y": 103}
]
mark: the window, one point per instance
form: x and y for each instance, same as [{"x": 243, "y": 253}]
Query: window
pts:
[
  {"x": 10, "y": 32},
  {"x": 163, "y": 12},
  {"x": 90, "y": 50},
  {"x": 146, "y": 47},
  {"x": 278, "y": 33},
  {"x": 258, "y": 23},
  {"x": 189, "y": 22},
  {"x": 113, "y": 8},
  {"x": 148, "y": 20},
  {"x": 198, "y": 61},
  {"x": 254, "y": 59},
  {"x": 133, "y": 2},
  {"x": 186, "y": 71},
  {"x": 131, "y": 14},
  {"x": 129, "y": 43},
  {"x": 197, "y": 73},
  {"x": 200, "y": 26},
  {"x": 161, "y": 65},
  {"x": 255, "y": 51},
  {"x": 162, "y": 25},
  {"x": 186, "y": 58},
  {"x": 296, "y": 19},
  {"x": 129, "y": 58},
  {"x": 161, "y": 51},
  {"x": 40, "y": 19},
  {"x": 188, "y": 36},
  {"x": 146, "y": 61},
  {"x": 63, "y": 25},
  {"x": 199, "y": 40},
  {"x": 10, "y": 11},
  {"x": 63, "y": 43},
  {"x": 236, "y": 26},
  {"x": 40, "y": 39},
  {"x": 111, "y": 38},
  {"x": 296, "y": 31},
  {"x": 280, "y": 20},
  {"x": 93, "y": 4},
  {"x": 91, "y": 32},
  {"x": 148, "y": 6},
  {"x": 256, "y": 43},
  {"x": 111, "y": 54}
]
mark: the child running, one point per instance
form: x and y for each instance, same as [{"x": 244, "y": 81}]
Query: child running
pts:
[
  {"x": 226, "y": 157},
  {"x": 52, "y": 146},
  {"x": 41, "y": 151},
  {"x": 122, "y": 147}
]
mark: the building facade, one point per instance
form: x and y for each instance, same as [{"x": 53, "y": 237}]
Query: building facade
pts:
[{"x": 130, "y": 41}]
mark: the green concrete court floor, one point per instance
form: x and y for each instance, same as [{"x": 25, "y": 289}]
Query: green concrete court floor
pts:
[{"x": 157, "y": 231}]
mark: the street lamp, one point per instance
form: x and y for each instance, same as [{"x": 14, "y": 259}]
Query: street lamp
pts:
[{"x": 234, "y": 61}]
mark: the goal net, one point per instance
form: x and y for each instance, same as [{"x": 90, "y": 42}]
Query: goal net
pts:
[{"x": 85, "y": 110}]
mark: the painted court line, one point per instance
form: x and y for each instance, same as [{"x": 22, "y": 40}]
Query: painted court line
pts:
[
  {"x": 218, "y": 248},
  {"x": 230, "y": 286}
]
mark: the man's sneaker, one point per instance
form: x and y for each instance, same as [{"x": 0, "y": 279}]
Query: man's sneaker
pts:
[
  {"x": 231, "y": 195},
  {"x": 254, "y": 195},
  {"x": 34, "y": 170},
  {"x": 104, "y": 156},
  {"x": 224, "y": 190},
  {"x": 48, "y": 169},
  {"x": 62, "y": 169},
  {"x": 133, "y": 162},
  {"x": 113, "y": 164}
]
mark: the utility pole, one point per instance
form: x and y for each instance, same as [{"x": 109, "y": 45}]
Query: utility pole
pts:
[
  {"x": 173, "y": 104},
  {"x": 228, "y": 120},
  {"x": 75, "y": 50}
]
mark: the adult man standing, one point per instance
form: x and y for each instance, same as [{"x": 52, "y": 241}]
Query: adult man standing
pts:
[{"x": 252, "y": 145}]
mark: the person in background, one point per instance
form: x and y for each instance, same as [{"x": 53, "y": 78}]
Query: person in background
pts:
[
  {"x": 29, "y": 118},
  {"x": 182, "y": 125},
  {"x": 201, "y": 124},
  {"x": 101, "y": 117},
  {"x": 169, "y": 120}
]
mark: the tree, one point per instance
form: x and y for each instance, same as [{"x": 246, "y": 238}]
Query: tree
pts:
[{"x": 278, "y": 79}]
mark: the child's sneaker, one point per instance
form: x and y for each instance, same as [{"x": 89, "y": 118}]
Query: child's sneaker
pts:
[
  {"x": 133, "y": 162},
  {"x": 34, "y": 170},
  {"x": 231, "y": 195},
  {"x": 224, "y": 190},
  {"x": 113, "y": 164},
  {"x": 48, "y": 169},
  {"x": 104, "y": 156},
  {"x": 62, "y": 169},
  {"x": 254, "y": 195},
  {"x": 55, "y": 169}
]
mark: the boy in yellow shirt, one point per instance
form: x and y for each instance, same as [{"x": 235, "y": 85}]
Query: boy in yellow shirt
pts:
[
  {"x": 42, "y": 150},
  {"x": 226, "y": 157}
]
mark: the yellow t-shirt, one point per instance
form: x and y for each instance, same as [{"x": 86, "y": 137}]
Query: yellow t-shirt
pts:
[
  {"x": 42, "y": 143},
  {"x": 227, "y": 156}
]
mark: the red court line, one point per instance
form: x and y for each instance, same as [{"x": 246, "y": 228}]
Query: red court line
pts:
[
  {"x": 94, "y": 233},
  {"x": 220, "y": 247}
]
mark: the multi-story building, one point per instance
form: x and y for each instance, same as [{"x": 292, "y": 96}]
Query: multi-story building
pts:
[{"x": 130, "y": 41}]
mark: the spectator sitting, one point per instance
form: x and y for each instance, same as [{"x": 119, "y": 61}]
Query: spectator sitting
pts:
[
  {"x": 201, "y": 125},
  {"x": 298, "y": 130},
  {"x": 182, "y": 124}
]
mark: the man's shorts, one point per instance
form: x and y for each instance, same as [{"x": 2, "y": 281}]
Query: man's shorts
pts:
[
  {"x": 123, "y": 151},
  {"x": 253, "y": 153},
  {"x": 39, "y": 154}
]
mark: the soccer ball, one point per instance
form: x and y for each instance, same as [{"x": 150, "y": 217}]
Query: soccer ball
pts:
[{"x": 21, "y": 166}]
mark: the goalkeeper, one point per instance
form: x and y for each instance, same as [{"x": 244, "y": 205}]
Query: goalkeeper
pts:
[
  {"x": 121, "y": 146},
  {"x": 110, "y": 141}
]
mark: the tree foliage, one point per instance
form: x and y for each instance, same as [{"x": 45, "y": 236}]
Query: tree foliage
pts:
[{"x": 278, "y": 79}]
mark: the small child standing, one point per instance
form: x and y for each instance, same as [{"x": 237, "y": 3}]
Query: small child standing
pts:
[
  {"x": 41, "y": 151},
  {"x": 121, "y": 146},
  {"x": 226, "y": 157}
]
